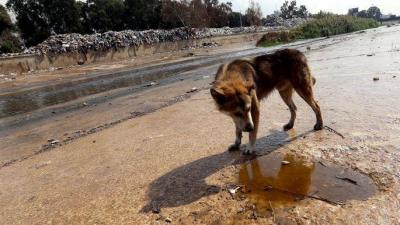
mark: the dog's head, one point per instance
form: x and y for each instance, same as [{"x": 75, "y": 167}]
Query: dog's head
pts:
[{"x": 233, "y": 96}]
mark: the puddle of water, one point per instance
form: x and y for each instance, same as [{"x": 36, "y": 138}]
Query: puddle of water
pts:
[{"x": 270, "y": 183}]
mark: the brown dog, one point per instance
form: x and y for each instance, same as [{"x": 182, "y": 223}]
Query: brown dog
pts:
[{"x": 240, "y": 85}]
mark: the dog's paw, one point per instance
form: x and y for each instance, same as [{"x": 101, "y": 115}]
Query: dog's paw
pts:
[
  {"x": 249, "y": 150},
  {"x": 318, "y": 126},
  {"x": 288, "y": 126},
  {"x": 234, "y": 148}
]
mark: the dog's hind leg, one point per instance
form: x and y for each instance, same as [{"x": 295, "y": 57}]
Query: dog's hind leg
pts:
[
  {"x": 306, "y": 92},
  {"x": 287, "y": 95}
]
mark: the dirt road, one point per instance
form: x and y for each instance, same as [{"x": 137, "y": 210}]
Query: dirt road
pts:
[{"x": 159, "y": 156}]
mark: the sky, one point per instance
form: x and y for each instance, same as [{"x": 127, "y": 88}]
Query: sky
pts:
[{"x": 314, "y": 6}]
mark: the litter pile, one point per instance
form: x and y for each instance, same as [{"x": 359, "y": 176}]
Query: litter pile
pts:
[
  {"x": 62, "y": 43},
  {"x": 277, "y": 21}
]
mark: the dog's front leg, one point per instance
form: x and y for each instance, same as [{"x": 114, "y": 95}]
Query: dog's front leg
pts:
[
  {"x": 238, "y": 141},
  {"x": 255, "y": 114}
]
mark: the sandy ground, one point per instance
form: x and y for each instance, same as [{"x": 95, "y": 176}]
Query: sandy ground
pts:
[{"x": 174, "y": 158}]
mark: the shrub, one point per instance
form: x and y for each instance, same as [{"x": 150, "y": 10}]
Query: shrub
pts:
[
  {"x": 9, "y": 43},
  {"x": 322, "y": 25},
  {"x": 277, "y": 37}
]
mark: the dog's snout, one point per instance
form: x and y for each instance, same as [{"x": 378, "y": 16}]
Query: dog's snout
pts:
[{"x": 249, "y": 127}]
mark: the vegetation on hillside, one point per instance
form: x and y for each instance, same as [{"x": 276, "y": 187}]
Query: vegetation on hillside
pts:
[
  {"x": 321, "y": 25},
  {"x": 325, "y": 24},
  {"x": 8, "y": 41},
  {"x": 372, "y": 12},
  {"x": 38, "y": 19}
]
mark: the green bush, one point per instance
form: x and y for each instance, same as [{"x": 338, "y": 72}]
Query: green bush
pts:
[
  {"x": 277, "y": 37},
  {"x": 5, "y": 20},
  {"x": 328, "y": 24},
  {"x": 322, "y": 25},
  {"x": 9, "y": 43}
]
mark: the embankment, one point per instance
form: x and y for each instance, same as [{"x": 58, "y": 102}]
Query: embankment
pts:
[{"x": 20, "y": 64}]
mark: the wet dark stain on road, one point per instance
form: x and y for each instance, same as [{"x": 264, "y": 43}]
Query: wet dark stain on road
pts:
[{"x": 278, "y": 180}]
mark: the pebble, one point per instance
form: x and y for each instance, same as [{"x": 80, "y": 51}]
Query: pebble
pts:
[
  {"x": 194, "y": 89},
  {"x": 241, "y": 210},
  {"x": 151, "y": 84},
  {"x": 53, "y": 141}
]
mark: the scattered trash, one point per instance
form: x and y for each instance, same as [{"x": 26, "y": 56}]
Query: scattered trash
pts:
[
  {"x": 394, "y": 76},
  {"x": 268, "y": 188},
  {"x": 322, "y": 163},
  {"x": 254, "y": 215},
  {"x": 285, "y": 162},
  {"x": 334, "y": 131},
  {"x": 277, "y": 21},
  {"x": 62, "y": 43},
  {"x": 347, "y": 179},
  {"x": 151, "y": 84},
  {"x": 85, "y": 104},
  {"x": 168, "y": 220},
  {"x": 308, "y": 48},
  {"x": 155, "y": 209},
  {"x": 376, "y": 78},
  {"x": 194, "y": 89},
  {"x": 233, "y": 190},
  {"x": 371, "y": 54},
  {"x": 273, "y": 211},
  {"x": 53, "y": 141}
]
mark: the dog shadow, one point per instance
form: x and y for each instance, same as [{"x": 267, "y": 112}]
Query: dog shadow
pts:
[{"x": 186, "y": 184}]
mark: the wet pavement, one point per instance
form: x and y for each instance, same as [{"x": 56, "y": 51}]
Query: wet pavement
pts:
[
  {"x": 159, "y": 155},
  {"x": 22, "y": 97}
]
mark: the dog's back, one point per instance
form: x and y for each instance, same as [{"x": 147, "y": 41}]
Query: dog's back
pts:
[{"x": 277, "y": 70}]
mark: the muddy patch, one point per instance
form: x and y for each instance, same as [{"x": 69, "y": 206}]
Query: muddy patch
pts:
[{"x": 278, "y": 180}]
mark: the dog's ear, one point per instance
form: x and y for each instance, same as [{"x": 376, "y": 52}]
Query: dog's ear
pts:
[{"x": 218, "y": 96}]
